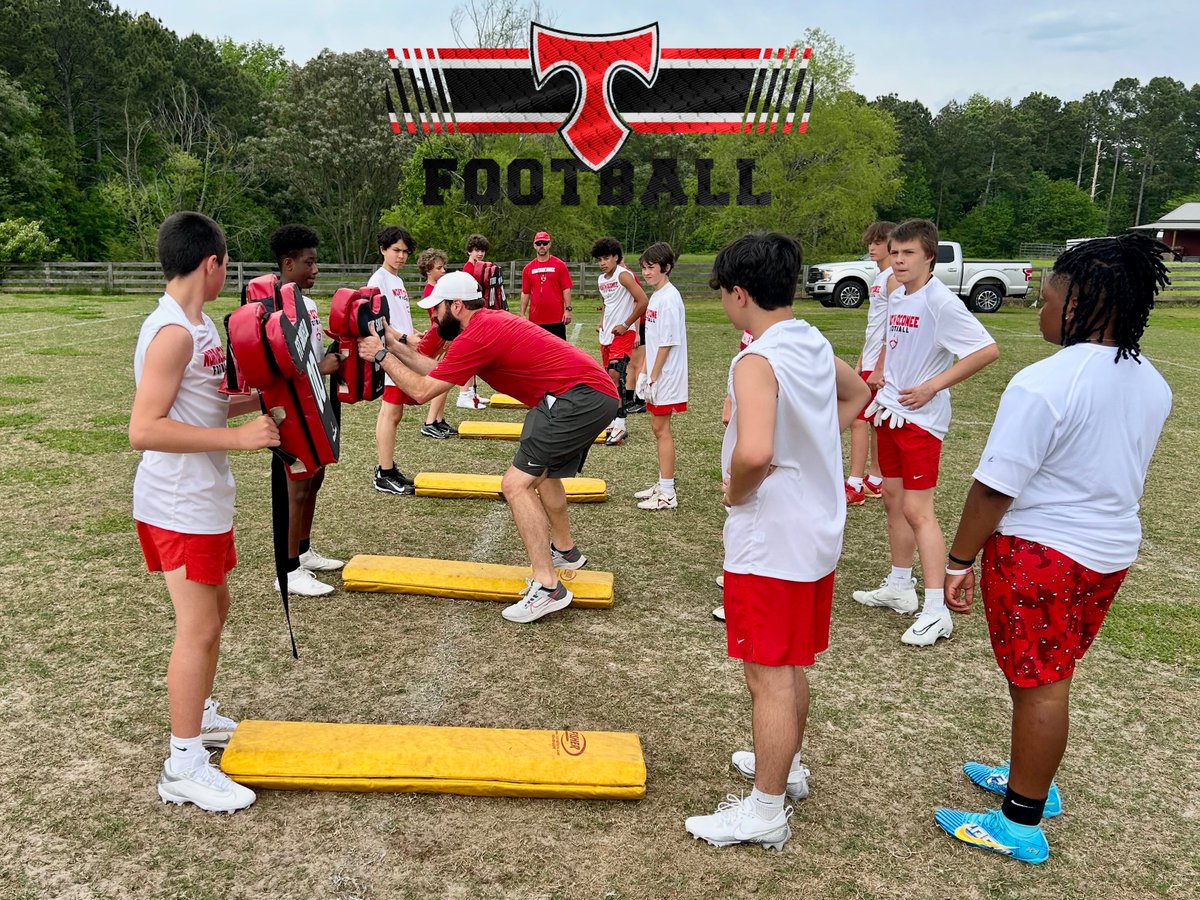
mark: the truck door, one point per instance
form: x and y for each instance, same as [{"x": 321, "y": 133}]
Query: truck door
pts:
[{"x": 947, "y": 269}]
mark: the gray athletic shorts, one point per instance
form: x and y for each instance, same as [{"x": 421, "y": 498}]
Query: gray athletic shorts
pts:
[{"x": 556, "y": 437}]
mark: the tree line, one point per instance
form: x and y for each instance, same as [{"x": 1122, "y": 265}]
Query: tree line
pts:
[{"x": 109, "y": 121}]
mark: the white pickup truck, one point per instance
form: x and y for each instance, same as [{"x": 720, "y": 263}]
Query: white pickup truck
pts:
[{"x": 983, "y": 285}]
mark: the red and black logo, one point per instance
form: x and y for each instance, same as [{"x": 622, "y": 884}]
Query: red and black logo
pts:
[{"x": 595, "y": 89}]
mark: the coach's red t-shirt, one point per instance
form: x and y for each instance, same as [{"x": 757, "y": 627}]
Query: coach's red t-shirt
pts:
[
  {"x": 517, "y": 357},
  {"x": 545, "y": 282}
]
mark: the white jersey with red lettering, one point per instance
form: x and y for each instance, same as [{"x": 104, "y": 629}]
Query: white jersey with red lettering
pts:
[
  {"x": 926, "y": 330},
  {"x": 618, "y": 302},
  {"x": 666, "y": 327},
  {"x": 399, "y": 313},
  {"x": 190, "y": 493},
  {"x": 318, "y": 333},
  {"x": 876, "y": 321}
]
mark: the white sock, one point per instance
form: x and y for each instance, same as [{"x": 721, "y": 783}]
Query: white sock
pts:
[
  {"x": 667, "y": 486},
  {"x": 900, "y": 578},
  {"x": 935, "y": 602},
  {"x": 618, "y": 423},
  {"x": 187, "y": 753},
  {"x": 855, "y": 482},
  {"x": 767, "y": 806},
  {"x": 795, "y": 763},
  {"x": 874, "y": 481},
  {"x": 210, "y": 710}
]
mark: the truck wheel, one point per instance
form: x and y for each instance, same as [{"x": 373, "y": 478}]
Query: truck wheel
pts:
[
  {"x": 849, "y": 293},
  {"x": 986, "y": 298},
  {"x": 826, "y": 302}
]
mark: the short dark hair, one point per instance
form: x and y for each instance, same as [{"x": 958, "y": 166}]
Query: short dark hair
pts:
[
  {"x": 394, "y": 233},
  {"x": 478, "y": 242},
  {"x": 289, "y": 241},
  {"x": 878, "y": 231},
  {"x": 766, "y": 265},
  {"x": 607, "y": 246},
  {"x": 429, "y": 257},
  {"x": 921, "y": 230},
  {"x": 185, "y": 240},
  {"x": 660, "y": 253},
  {"x": 1113, "y": 280}
]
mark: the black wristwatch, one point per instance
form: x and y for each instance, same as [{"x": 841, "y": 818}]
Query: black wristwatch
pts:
[
  {"x": 381, "y": 356},
  {"x": 404, "y": 338}
]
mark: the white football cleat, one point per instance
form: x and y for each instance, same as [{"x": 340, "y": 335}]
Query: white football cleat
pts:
[
  {"x": 902, "y": 600},
  {"x": 204, "y": 785},
  {"x": 304, "y": 583},
  {"x": 736, "y": 822},
  {"x": 928, "y": 628},
  {"x": 797, "y": 782}
]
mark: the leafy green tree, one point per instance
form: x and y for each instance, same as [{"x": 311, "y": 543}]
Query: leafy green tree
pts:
[{"x": 23, "y": 241}]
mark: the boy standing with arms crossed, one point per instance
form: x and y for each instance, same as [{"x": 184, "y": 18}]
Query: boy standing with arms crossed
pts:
[
  {"x": 1054, "y": 507},
  {"x": 395, "y": 246},
  {"x": 666, "y": 387},
  {"x": 928, "y": 327},
  {"x": 782, "y": 459},
  {"x": 183, "y": 495},
  {"x": 870, "y": 367}
]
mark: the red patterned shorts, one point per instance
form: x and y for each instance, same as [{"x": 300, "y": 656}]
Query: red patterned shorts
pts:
[{"x": 1043, "y": 608}]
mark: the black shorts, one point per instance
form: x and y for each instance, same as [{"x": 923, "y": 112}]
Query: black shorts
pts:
[
  {"x": 556, "y": 438},
  {"x": 558, "y": 328}
]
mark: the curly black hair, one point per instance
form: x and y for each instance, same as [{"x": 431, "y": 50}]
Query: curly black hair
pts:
[{"x": 292, "y": 240}]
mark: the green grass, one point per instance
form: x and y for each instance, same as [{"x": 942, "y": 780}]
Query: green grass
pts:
[
  {"x": 19, "y": 420},
  {"x": 85, "y": 635}
]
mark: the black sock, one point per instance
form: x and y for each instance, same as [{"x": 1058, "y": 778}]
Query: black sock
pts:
[
  {"x": 1022, "y": 810},
  {"x": 304, "y": 546},
  {"x": 293, "y": 563}
]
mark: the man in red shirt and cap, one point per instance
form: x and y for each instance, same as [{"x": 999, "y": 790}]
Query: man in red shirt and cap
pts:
[{"x": 546, "y": 289}]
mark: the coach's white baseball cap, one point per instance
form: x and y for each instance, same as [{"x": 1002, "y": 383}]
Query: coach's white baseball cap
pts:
[{"x": 452, "y": 286}]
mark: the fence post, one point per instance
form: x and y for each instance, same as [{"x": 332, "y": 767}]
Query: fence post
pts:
[
  {"x": 512, "y": 277},
  {"x": 240, "y": 277},
  {"x": 108, "y": 278}
]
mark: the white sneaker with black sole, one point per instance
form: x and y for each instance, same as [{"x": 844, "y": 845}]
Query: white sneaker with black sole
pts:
[
  {"x": 737, "y": 822},
  {"x": 928, "y": 628},
  {"x": 616, "y": 435},
  {"x": 305, "y": 584},
  {"x": 901, "y": 599},
  {"x": 797, "y": 780},
  {"x": 538, "y": 601},
  {"x": 313, "y": 561},
  {"x": 204, "y": 785}
]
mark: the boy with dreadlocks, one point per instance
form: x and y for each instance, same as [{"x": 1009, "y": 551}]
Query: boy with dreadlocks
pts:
[{"x": 1054, "y": 507}]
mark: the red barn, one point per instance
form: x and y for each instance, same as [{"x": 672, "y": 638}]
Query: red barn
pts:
[{"x": 1179, "y": 230}]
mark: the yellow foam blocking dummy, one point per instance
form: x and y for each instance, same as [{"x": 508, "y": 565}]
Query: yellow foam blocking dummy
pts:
[
  {"x": 481, "y": 762},
  {"x": 504, "y": 401},
  {"x": 499, "y": 431},
  {"x": 487, "y": 487},
  {"x": 467, "y": 580}
]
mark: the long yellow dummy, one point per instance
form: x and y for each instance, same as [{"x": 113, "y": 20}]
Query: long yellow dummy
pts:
[
  {"x": 467, "y": 580},
  {"x": 499, "y": 431},
  {"x": 504, "y": 401},
  {"x": 482, "y": 762},
  {"x": 487, "y": 487}
]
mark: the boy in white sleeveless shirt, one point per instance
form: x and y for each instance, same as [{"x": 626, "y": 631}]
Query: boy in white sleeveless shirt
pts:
[
  {"x": 624, "y": 304},
  {"x": 782, "y": 459},
  {"x": 183, "y": 495}
]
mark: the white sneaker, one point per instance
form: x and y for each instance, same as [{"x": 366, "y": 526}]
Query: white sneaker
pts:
[
  {"x": 315, "y": 562},
  {"x": 902, "y": 600},
  {"x": 468, "y": 399},
  {"x": 797, "y": 783},
  {"x": 204, "y": 785},
  {"x": 719, "y": 613},
  {"x": 736, "y": 822},
  {"x": 537, "y": 602},
  {"x": 660, "y": 501},
  {"x": 720, "y": 579},
  {"x": 304, "y": 583},
  {"x": 616, "y": 436},
  {"x": 647, "y": 493},
  {"x": 216, "y": 729},
  {"x": 928, "y": 628}
]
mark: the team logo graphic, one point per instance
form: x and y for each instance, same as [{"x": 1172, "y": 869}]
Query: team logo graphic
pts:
[
  {"x": 572, "y": 743},
  {"x": 596, "y": 89}
]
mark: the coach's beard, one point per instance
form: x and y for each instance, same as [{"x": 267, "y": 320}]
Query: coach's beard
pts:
[{"x": 448, "y": 327}]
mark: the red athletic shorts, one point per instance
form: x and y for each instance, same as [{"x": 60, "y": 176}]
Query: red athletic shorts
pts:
[
  {"x": 622, "y": 345},
  {"x": 205, "y": 557},
  {"x": 910, "y": 453},
  {"x": 773, "y": 622},
  {"x": 862, "y": 412},
  {"x": 656, "y": 410},
  {"x": 396, "y": 397},
  {"x": 1043, "y": 608}
]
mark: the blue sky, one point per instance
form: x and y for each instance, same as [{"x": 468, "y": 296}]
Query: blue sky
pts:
[{"x": 931, "y": 51}]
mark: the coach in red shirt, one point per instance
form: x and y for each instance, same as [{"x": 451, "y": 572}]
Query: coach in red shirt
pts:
[
  {"x": 546, "y": 289},
  {"x": 571, "y": 400}
]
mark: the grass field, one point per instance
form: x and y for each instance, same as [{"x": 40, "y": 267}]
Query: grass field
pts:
[{"x": 85, "y": 633}]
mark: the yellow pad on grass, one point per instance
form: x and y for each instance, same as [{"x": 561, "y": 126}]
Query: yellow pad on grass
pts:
[
  {"x": 504, "y": 401},
  {"x": 480, "y": 762},
  {"x": 500, "y": 431},
  {"x": 487, "y": 487},
  {"x": 467, "y": 580}
]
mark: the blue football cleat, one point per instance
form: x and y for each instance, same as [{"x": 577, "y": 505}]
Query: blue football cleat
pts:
[
  {"x": 995, "y": 779},
  {"x": 992, "y": 832}
]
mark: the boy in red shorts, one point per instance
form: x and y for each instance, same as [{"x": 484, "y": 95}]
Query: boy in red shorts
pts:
[
  {"x": 624, "y": 304},
  {"x": 782, "y": 459},
  {"x": 183, "y": 495},
  {"x": 1057, "y": 536},
  {"x": 432, "y": 264},
  {"x": 928, "y": 326}
]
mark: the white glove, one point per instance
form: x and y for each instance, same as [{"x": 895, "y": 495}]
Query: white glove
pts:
[
  {"x": 880, "y": 414},
  {"x": 639, "y": 389},
  {"x": 648, "y": 391}
]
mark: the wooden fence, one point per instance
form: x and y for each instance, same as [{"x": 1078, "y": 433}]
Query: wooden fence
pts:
[{"x": 146, "y": 278}]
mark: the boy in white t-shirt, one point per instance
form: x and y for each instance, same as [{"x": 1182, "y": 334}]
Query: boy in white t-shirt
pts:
[
  {"x": 666, "y": 384},
  {"x": 295, "y": 250},
  {"x": 782, "y": 460},
  {"x": 624, "y": 305},
  {"x": 862, "y": 484},
  {"x": 927, "y": 328},
  {"x": 183, "y": 495},
  {"x": 1054, "y": 507},
  {"x": 395, "y": 246}
]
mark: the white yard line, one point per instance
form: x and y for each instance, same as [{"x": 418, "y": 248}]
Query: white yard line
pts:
[{"x": 92, "y": 322}]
